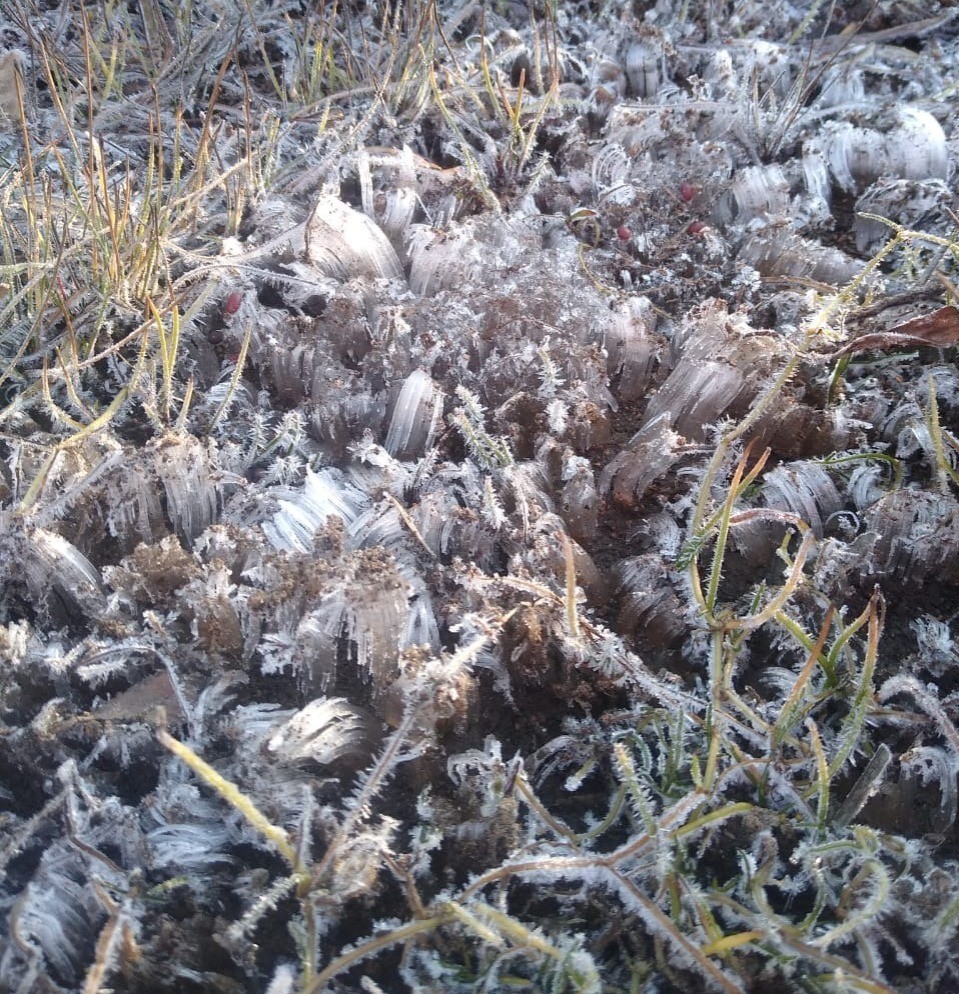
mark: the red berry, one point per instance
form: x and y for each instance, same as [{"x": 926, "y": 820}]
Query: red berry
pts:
[
  {"x": 687, "y": 191},
  {"x": 623, "y": 233},
  {"x": 232, "y": 303},
  {"x": 696, "y": 228}
]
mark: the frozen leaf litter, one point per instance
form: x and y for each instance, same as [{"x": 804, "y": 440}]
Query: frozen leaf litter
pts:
[{"x": 478, "y": 498}]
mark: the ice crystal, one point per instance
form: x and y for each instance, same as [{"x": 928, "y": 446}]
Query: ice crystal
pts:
[
  {"x": 344, "y": 243},
  {"x": 415, "y": 417},
  {"x": 324, "y": 494},
  {"x": 324, "y": 731}
]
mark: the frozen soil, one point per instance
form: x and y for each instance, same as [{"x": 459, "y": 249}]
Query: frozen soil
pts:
[{"x": 409, "y": 534}]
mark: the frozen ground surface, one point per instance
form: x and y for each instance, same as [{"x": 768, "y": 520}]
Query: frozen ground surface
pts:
[{"x": 517, "y": 449}]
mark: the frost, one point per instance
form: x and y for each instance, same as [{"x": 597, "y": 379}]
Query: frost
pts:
[
  {"x": 476, "y": 316},
  {"x": 186, "y": 472},
  {"x": 918, "y": 536},
  {"x": 198, "y": 847},
  {"x": 935, "y": 765},
  {"x": 422, "y": 628},
  {"x": 937, "y": 648},
  {"x": 437, "y": 259},
  {"x": 416, "y": 417},
  {"x": 343, "y": 243},
  {"x": 757, "y": 192},
  {"x": 610, "y": 172},
  {"x": 648, "y": 601},
  {"x": 324, "y": 731},
  {"x": 645, "y": 68},
  {"x": 57, "y": 914},
  {"x": 914, "y": 148},
  {"x": 776, "y": 251},
  {"x": 284, "y": 977},
  {"x": 59, "y": 576},
  {"x": 14, "y": 642},
  {"x": 865, "y": 485},
  {"x": 324, "y": 495}
]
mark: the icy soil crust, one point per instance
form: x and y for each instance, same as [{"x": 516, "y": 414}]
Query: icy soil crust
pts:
[{"x": 428, "y": 575}]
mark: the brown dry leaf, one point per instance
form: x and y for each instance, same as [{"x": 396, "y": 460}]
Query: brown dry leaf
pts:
[
  {"x": 939, "y": 329},
  {"x": 139, "y": 702}
]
